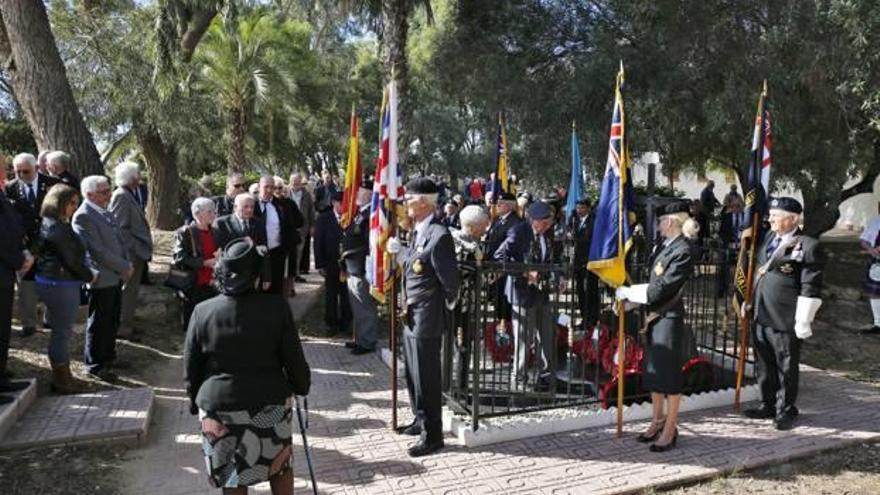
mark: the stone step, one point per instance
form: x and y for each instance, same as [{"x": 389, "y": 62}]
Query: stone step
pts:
[
  {"x": 110, "y": 415},
  {"x": 9, "y": 413}
]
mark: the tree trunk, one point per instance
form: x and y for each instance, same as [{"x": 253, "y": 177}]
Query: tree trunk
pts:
[
  {"x": 395, "y": 18},
  {"x": 237, "y": 128},
  {"x": 30, "y": 57},
  {"x": 164, "y": 178}
]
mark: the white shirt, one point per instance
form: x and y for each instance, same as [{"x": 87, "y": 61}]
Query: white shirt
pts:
[
  {"x": 95, "y": 206},
  {"x": 273, "y": 225},
  {"x": 871, "y": 231},
  {"x": 32, "y": 187},
  {"x": 297, "y": 197},
  {"x": 422, "y": 226}
]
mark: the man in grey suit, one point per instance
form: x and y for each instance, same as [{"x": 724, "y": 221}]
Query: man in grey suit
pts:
[
  {"x": 306, "y": 204},
  {"x": 430, "y": 289},
  {"x": 102, "y": 237},
  {"x": 136, "y": 238}
]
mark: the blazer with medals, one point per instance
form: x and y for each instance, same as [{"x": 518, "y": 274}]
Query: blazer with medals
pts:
[
  {"x": 356, "y": 243},
  {"x": 431, "y": 279},
  {"x": 671, "y": 268},
  {"x": 794, "y": 272}
]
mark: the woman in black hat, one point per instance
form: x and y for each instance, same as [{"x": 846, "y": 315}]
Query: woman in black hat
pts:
[
  {"x": 243, "y": 360},
  {"x": 671, "y": 268}
]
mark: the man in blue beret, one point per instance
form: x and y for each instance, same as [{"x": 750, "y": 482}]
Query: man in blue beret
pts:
[
  {"x": 529, "y": 294},
  {"x": 788, "y": 282},
  {"x": 430, "y": 290}
]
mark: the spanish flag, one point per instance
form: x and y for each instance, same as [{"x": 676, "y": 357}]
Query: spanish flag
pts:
[
  {"x": 353, "y": 175},
  {"x": 612, "y": 231}
]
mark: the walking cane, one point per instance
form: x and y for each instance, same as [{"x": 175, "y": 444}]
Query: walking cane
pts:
[{"x": 302, "y": 428}]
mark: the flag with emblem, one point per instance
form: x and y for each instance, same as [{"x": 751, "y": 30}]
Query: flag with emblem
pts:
[
  {"x": 756, "y": 195},
  {"x": 612, "y": 230},
  {"x": 353, "y": 175},
  {"x": 502, "y": 165},
  {"x": 575, "y": 183},
  {"x": 387, "y": 193}
]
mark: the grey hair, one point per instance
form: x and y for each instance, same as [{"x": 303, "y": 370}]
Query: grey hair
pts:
[
  {"x": 689, "y": 227},
  {"x": 472, "y": 215},
  {"x": 25, "y": 158},
  {"x": 200, "y": 205},
  {"x": 125, "y": 172},
  {"x": 90, "y": 184},
  {"x": 42, "y": 156},
  {"x": 245, "y": 197},
  {"x": 60, "y": 158},
  {"x": 430, "y": 198},
  {"x": 279, "y": 181}
]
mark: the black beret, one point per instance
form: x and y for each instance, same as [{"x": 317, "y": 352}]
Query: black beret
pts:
[
  {"x": 674, "y": 207},
  {"x": 422, "y": 185},
  {"x": 583, "y": 202},
  {"x": 790, "y": 205},
  {"x": 540, "y": 210},
  {"x": 336, "y": 196},
  {"x": 367, "y": 184},
  {"x": 506, "y": 196}
]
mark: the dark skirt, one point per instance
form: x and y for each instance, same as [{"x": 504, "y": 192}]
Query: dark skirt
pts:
[
  {"x": 666, "y": 353},
  {"x": 243, "y": 456}
]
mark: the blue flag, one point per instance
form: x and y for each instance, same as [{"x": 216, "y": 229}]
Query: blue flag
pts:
[
  {"x": 612, "y": 231},
  {"x": 575, "y": 190}
]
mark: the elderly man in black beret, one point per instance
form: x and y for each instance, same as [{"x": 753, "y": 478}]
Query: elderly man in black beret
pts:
[
  {"x": 328, "y": 242},
  {"x": 788, "y": 282},
  {"x": 430, "y": 289},
  {"x": 529, "y": 294}
]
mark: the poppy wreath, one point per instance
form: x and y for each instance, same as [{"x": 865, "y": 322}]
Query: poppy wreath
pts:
[
  {"x": 585, "y": 349},
  {"x": 632, "y": 356},
  {"x": 499, "y": 342}
]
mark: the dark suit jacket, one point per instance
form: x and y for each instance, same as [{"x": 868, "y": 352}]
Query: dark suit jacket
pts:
[
  {"x": 431, "y": 278},
  {"x": 671, "y": 268},
  {"x": 289, "y": 218},
  {"x": 583, "y": 235},
  {"x": 356, "y": 242},
  {"x": 68, "y": 178},
  {"x": 30, "y": 214},
  {"x": 229, "y": 227},
  {"x": 797, "y": 271},
  {"x": 243, "y": 352},
  {"x": 498, "y": 231},
  {"x": 11, "y": 242},
  {"x": 726, "y": 230},
  {"x": 328, "y": 237},
  {"x": 521, "y": 246},
  {"x": 224, "y": 204},
  {"x": 323, "y": 195}
]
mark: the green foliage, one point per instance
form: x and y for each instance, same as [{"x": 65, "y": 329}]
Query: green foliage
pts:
[{"x": 16, "y": 137}]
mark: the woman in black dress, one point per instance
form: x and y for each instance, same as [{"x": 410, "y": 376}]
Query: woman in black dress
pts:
[{"x": 671, "y": 268}]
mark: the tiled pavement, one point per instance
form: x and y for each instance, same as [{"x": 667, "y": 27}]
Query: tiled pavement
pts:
[
  {"x": 354, "y": 451},
  {"x": 121, "y": 415}
]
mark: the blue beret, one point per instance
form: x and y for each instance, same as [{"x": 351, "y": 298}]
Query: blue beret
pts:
[
  {"x": 422, "y": 185},
  {"x": 540, "y": 210},
  {"x": 790, "y": 205}
]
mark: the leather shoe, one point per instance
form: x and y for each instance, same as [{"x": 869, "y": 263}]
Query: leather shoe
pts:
[
  {"x": 785, "y": 421},
  {"x": 28, "y": 331},
  {"x": 759, "y": 413},
  {"x": 357, "y": 351},
  {"x": 412, "y": 429},
  {"x": 103, "y": 374},
  {"x": 350, "y": 345},
  {"x": 423, "y": 448},
  {"x": 9, "y": 386}
]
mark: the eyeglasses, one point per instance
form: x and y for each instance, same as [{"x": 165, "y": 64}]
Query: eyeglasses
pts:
[{"x": 238, "y": 186}]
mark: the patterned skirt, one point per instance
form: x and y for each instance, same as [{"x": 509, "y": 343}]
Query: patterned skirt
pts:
[{"x": 243, "y": 456}]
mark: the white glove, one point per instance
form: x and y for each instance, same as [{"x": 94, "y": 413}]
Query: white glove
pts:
[
  {"x": 393, "y": 246},
  {"x": 622, "y": 293},
  {"x": 636, "y": 293},
  {"x": 804, "y": 315},
  {"x": 627, "y": 307}
]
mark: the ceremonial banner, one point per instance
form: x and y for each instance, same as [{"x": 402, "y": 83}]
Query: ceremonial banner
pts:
[
  {"x": 575, "y": 189},
  {"x": 502, "y": 170},
  {"x": 387, "y": 191},
  {"x": 353, "y": 175},
  {"x": 612, "y": 231}
]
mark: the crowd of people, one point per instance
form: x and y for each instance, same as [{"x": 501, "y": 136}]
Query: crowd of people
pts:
[{"x": 68, "y": 242}]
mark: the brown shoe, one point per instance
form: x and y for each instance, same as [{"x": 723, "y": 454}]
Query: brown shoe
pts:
[{"x": 62, "y": 380}]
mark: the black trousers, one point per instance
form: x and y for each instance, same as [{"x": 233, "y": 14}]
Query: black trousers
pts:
[
  {"x": 779, "y": 356},
  {"x": 304, "y": 260},
  {"x": 337, "y": 311},
  {"x": 194, "y": 296},
  {"x": 587, "y": 289},
  {"x": 423, "y": 382},
  {"x": 105, "y": 306},
  {"x": 7, "y": 291},
  {"x": 277, "y": 257}
]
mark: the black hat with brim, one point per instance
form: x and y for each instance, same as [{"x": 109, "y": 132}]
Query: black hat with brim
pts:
[{"x": 238, "y": 267}]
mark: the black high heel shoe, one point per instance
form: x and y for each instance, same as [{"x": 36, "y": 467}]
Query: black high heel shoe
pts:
[
  {"x": 643, "y": 438},
  {"x": 663, "y": 448}
]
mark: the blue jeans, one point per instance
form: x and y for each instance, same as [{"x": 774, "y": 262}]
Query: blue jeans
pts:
[{"x": 62, "y": 306}]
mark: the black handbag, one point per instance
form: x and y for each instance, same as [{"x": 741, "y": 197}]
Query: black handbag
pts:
[{"x": 180, "y": 279}]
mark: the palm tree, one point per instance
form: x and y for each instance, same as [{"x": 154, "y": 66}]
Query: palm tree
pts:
[{"x": 237, "y": 69}]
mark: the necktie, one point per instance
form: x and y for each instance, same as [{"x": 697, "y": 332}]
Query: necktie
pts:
[
  {"x": 771, "y": 247},
  {"x": 31, "y": 197}
]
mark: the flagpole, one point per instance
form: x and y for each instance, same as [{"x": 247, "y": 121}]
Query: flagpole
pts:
[
  {"x": 621, "y": 319},
  {"x": 745, "y": 315},
  {"x": 621, "y": 308}
]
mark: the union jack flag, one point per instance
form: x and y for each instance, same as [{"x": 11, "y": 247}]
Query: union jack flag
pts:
[{"x": 387, "y": 192}]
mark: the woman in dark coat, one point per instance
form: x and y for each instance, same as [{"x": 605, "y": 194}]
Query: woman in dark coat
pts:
[
  {"x": 243, "y": 360},
  {"x": 61, "y": 271},
  {"x": 195, "y": 250},
  {"x": 667, "y": 348}
]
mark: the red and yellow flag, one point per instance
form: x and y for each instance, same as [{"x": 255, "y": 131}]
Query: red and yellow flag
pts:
[{"x": 353, "y": 175}]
